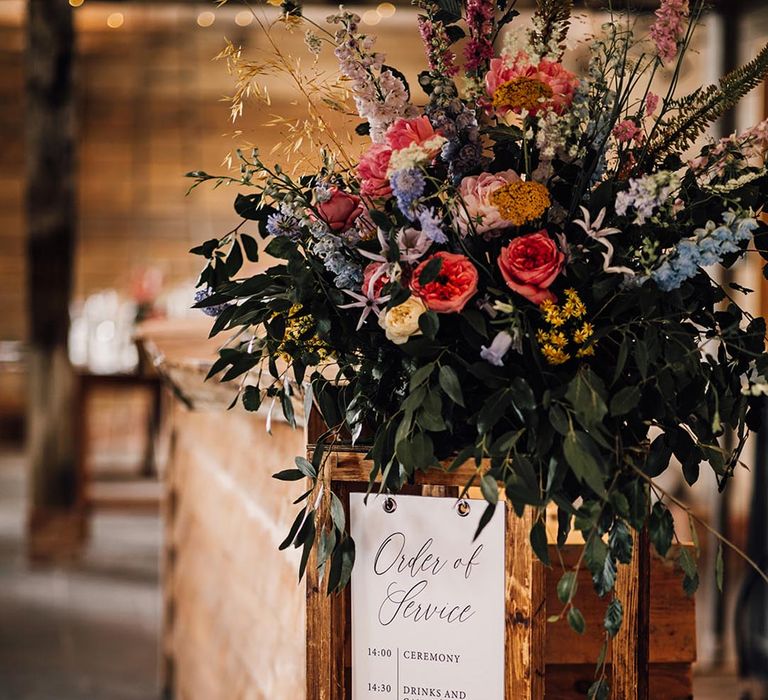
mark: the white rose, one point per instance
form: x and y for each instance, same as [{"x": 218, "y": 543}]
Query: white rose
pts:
[{"x": 402, "y": 321}]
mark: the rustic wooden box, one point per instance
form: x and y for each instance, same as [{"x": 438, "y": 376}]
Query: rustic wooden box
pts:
[{"x": 652, "y": 654}]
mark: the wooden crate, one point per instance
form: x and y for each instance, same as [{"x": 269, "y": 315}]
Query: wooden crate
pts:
[{"x": 651, "y": 656}]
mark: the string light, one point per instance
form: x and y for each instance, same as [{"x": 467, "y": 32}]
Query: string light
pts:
[
  {"x": 206, "y": 19},
  {"x": 115, "y": 20},
  {"x": 243, "y": 18},
  {"x": 76, "y": 3},
  {"x": 371, "y": 17},
  {"x": 386, "y": 9}
]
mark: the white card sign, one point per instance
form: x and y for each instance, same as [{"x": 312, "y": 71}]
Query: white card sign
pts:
[{"x": 427, "y": 602}]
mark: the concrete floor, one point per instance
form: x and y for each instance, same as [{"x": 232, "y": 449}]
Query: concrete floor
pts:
[{"x": 88, "y": 631}]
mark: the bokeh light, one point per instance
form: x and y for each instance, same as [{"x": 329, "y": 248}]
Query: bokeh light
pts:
[
  {"x": 243, "y": 18},
  {"x": 115, "y": 20},
  {"x": 206, "y": 19}
]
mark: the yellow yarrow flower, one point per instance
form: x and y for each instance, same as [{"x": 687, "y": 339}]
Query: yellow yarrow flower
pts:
[
  {"x": 521, "y": 202},
  {"x": 521, "y": 93}
]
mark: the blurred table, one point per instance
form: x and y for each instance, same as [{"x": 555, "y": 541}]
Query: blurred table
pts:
[{"x": 233, "y": 607}]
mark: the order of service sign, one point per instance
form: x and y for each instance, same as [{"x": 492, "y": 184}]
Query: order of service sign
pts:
[{"x": 427, "y": 601}]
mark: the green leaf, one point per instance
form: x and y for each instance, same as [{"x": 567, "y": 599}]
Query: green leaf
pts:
[
  {"x": 417, "y": 452},
  {"x": 661, "y": 528},
  {"x": 298, "y": 520},
  {"x": 582, "y": 456},
  {"x": 558, "y": 419},
  {"x": 449, "y": 383},
  {"x": 599, "y": 690},
  {"x": 586, "y": 393},
  {"x": 421, "y": 375},
  {"x": 658, "y": 457},
  {"x": 620, "y": 542},
  {"x": 539, "y": 541},
  {"x": 234, "y": 260},
  {"x": 250, "y": 247},
  {"x": 576, "y": 620},
  {"x": 485, "y": 518},
  {"x": 614, "y": 615},
  {"x": 251, "y": 398},
  {"x": 625, "y": 400},
  {"x": 493, "y": 410},
  {"x": 431, "y": 271},
  {"x": 306, "y": 467},
  {"x": 429, "y": 324},
  {"x": 566, "y": 587},
  {"x": 337, "y": 513},
  {"x": 490, "y": 489},
  {"x": 289, "y": 475}
]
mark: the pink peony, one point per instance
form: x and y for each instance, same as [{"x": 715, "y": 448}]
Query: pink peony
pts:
[
  {"x": 340, "y": 210},
  {"x": 404, "y": 132},
  {"x": 372, "y": 171},
  {"x": 476, "y": 194},
  {"x": 455, "y": 285},
  {"x": 530, "y": 264},
  {"x": 535, "y": 88}
]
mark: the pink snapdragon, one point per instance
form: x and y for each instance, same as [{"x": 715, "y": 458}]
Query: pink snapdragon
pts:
[
  {"x": 437, "y": 47},
  {"x": 669, "y": 28},
  {"x": 480, "y": 19}
]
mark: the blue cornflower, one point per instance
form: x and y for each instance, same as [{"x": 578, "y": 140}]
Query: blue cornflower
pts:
[
  {"x": 407, "y": 186},
  {"x": 281, "y": 224}
]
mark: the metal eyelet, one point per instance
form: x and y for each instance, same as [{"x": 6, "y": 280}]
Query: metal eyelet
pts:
[
  {"x": 390, "y": 505},
  {"x": 463, "y": 508}
]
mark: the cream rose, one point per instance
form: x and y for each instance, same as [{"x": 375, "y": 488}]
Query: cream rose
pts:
[{"x": 402, "y": 321}]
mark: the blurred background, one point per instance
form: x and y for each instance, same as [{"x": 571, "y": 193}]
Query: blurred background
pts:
[{"x": 138, "y": 524}]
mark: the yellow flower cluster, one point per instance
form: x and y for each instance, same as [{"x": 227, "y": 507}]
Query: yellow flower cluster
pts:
[
  {"x": 554, "y": 342},
  {"x": 297, "y": 325},
  {"x": 521, "y": 93},
  {"x": 521, "y": 202}
]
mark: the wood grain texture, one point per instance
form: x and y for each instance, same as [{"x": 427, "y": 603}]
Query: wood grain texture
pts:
[
  {"x": 631, "y": 645},
  {"x": 666, "y": 681},
  {"x": 526, "y": 611}
]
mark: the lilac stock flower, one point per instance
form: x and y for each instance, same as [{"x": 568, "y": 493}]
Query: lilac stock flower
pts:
[{"x": 281, "y": 224}]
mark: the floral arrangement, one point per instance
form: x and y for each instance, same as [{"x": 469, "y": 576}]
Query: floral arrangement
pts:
[{"x": 522, "y": 269}]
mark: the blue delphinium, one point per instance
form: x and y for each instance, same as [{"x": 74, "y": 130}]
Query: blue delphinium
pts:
[
  {"x": 204, "y": 293},
  {"x": 328, "y": 247},
  {"x": 407, "y": 186},
  {"x": 463, "y": 151},
  {"x": 710, "y": 245},
  {"x": 431, "y": 225}
]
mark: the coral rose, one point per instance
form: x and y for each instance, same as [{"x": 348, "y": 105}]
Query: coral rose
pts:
[
  {"x": 405, "y": 132},
  {"x": 402, "y": 321},
  {"x": 477, "y": 209},
  {"x": 372, "y": 171},
  {"x": 523, "y": 85},
  {"x": 530, "y": 264},
  {"x": 455, "y": 285},
  {"x": 340, "y": 210}
]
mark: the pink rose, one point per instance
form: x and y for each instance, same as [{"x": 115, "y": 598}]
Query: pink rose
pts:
[
  {"x": 556, "y": 85},
  {"x": 404, "y": 132},
  {"x": 455, "y": 285},
  {"x": 530, "y": 264},
  {"x": 372, "y": 171},
  {"x": 476, "y": 194},
  {"x": 374, "y": 278},
  {"x": 340, "y": 210}
]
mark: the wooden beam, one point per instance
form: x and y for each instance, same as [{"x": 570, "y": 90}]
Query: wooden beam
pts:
[{"x": 56, "y": 522}]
